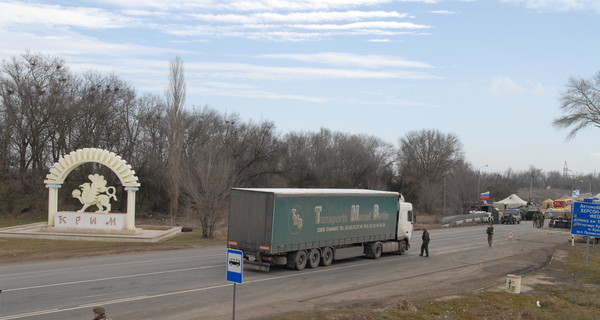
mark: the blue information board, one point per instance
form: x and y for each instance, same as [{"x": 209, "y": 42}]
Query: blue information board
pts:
[
  {"x": 586, "y": 219},
  {"x": 235, "y": 265}
]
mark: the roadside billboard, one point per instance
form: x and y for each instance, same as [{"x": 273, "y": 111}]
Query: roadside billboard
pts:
[{"x": 586, "y": 219}]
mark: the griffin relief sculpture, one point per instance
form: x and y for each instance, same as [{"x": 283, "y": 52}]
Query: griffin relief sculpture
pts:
[{"x": 95, "y": 193}]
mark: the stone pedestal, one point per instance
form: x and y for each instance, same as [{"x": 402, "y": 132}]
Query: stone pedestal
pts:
[{"x": 86, "y": 222}]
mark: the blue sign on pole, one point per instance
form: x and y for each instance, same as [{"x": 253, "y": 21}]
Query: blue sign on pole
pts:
[
  {"x": 586, "y": 219},
  {"x": 235, "y": 266}
]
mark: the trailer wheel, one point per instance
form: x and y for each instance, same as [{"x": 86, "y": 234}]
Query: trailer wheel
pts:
[
  {"x": 314, "y": 257},
  {"x": 326, "y": 256},
  {"x": 297, "y": 260}
]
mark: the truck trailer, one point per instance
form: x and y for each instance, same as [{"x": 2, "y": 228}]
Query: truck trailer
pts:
[{"x": 311, "y": 227}]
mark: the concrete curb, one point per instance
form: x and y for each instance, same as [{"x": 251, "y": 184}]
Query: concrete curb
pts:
[{"x": 33, "y": 231}]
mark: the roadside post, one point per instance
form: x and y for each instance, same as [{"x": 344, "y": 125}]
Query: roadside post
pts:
[
  {"x": 235, "y": 270},
  {"x": 586, "y": 222}
]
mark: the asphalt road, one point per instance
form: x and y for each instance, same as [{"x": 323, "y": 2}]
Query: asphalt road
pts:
[{"x": 190, "y": 284}]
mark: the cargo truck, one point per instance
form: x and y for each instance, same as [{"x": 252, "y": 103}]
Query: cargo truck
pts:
[{"x": 311, "y": 227}]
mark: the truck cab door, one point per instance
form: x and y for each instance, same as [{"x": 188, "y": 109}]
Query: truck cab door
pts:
[{"x": 405, "y": 220}]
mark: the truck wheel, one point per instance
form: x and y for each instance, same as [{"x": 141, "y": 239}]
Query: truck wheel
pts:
[
  {"x": 377, "y": 250},
  {"x": 326, "y": 256},
  {"x": 297, "y": 260},
  {"x": 314, "y": 257},
  {"x": 374, "y": 250},
  {"x": 402, "y": 247}
]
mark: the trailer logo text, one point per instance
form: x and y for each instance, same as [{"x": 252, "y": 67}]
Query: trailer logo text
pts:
[
  {"x": 353, "y": 217},
  {"x": 295, "y": 220}
]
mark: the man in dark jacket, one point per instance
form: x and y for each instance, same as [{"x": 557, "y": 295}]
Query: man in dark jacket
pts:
[{"x": 425, "y": 245}]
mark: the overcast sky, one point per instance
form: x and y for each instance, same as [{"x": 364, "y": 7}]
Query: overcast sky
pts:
[{"x": 489, "y": 71}]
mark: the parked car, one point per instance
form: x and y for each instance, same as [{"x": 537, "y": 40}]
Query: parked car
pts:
[{"x": 511, "y": 216}]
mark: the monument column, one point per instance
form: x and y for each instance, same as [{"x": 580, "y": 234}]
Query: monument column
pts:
[
  {"x": 130, "y": 219},
  {"x": 52, "y": 202}
]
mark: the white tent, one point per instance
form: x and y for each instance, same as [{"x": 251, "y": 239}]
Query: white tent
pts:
[{"x": 512, "y": 201}]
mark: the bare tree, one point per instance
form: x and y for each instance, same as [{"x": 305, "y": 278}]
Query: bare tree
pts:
[
  {"x": 255, "y": 150},
  {"x": 338, "y": 160},
  {"x": 426, "y": 157},
  {"x": 34, "y": 92},
  {"x": 580, "y": 104},
  {"x": 101, "y": 117},
  {"x": 205, "y": 185},
  {"x": 150, "y": 157},
  {"x": 298, "y": 168},
  {"x": 361, "y": 161},
  {"x": 429, "y": 154},
  {"x": 175, "y": 94},
  {"x": 208, "y": 168}
]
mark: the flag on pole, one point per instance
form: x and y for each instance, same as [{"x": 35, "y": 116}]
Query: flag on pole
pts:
[
  {"x": 575, "y": 193},
  {"x": 485, "y": 195}
]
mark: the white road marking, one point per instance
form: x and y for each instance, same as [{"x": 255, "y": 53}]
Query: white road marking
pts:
[{"x": 109, "y": 278}]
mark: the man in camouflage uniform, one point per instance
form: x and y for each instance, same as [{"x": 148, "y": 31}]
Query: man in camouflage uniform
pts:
[
  {"x": 490, "y": 234},
  {"x": 100, "y": 313}
]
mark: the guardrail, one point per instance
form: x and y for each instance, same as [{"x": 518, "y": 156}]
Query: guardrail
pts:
[{"x": 474, "y": 217}]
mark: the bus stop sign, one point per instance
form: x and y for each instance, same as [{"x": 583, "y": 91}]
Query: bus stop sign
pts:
[{"x": 235, "y": 266}]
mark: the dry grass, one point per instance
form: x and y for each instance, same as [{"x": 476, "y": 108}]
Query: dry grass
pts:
[
  {"x": 428, "y": 222},
  {"x": 6, "y": 221}
]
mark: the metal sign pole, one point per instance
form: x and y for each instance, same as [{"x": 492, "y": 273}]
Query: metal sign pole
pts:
[
  {"x": 234, "y": 286},
  {"x": 587, "y": 251}
]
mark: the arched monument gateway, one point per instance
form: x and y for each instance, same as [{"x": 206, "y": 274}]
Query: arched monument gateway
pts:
[{"x": 92, "y": 194}]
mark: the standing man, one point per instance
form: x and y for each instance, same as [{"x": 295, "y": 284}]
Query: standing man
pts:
[
  {"x": 425, "y": 245},
  {"x": 490, "y": 234}
]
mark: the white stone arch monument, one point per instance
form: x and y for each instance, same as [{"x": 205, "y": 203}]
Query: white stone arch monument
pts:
[{"x": 61, "y": 169}]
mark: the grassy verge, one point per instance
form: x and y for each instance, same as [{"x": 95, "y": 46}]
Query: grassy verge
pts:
[
  {"x": 574, "y": 295},
  {"x": 11, "y": 221},
  {"x": 15, "y": 248}
]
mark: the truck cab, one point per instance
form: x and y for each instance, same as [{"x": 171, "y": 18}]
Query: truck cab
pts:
[{"x": 406, "y": 219}]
